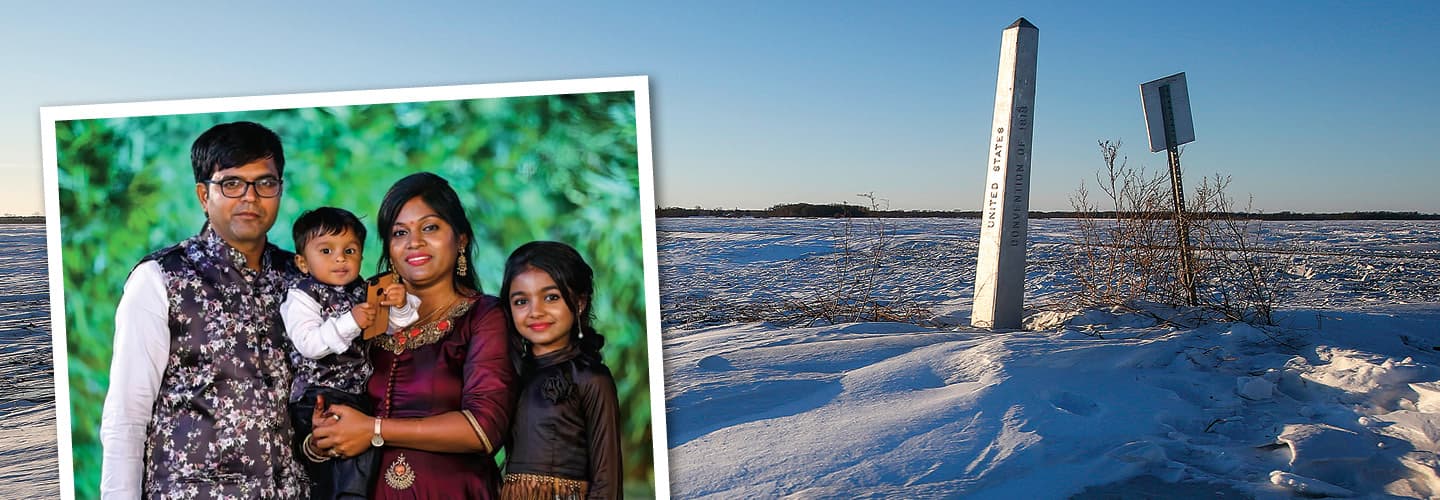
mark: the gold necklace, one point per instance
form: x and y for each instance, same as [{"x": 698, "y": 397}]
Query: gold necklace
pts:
[
  {"x": 433, "y": 327},
  {"x": 437, "y": 312}
]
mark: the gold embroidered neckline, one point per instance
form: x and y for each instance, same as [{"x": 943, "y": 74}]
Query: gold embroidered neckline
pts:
[{"x": 416, "y": 336}]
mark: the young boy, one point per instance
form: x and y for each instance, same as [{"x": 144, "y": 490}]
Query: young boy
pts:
[{"x": 324, "y": 315}]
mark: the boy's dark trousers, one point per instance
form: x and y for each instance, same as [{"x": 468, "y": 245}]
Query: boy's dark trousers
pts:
[{"x": 338, "y": 477}]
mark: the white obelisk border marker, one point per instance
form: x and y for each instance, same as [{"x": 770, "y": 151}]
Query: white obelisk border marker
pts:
[{"x": 1005, "y": 209}]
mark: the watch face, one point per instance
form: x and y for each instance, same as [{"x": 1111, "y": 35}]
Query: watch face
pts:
[{"x": 377, "y": 441}]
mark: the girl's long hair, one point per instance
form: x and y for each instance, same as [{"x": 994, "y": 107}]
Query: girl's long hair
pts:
[{"x": 577, "y": 286}]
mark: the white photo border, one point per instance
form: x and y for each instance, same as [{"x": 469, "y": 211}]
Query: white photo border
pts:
[{"x": 49, "y": 116}]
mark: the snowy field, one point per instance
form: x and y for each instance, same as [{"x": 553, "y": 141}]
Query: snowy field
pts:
[
  {"x": 1342, "y": 399},
  {"x": 28, "y": 465}
]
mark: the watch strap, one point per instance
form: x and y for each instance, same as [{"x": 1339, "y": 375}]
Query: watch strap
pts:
[{"x": 377, "y": 440}]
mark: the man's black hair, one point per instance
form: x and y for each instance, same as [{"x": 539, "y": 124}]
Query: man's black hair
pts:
[{"x": 229, "y": 145}]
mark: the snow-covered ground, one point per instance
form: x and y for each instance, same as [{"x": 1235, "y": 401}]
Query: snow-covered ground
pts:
[
  {"x": 1341, "y": 399},
  {"x": 28, "y": 464}
]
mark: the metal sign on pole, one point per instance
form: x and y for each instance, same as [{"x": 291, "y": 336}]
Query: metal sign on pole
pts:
[
  {"x": 1172, "y": 129},
  {"x": 1166, "y": 102}
]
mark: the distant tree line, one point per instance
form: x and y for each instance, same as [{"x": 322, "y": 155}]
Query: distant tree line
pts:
[
  {"x": 809, "y": 210},
  {"x": 22, "y": 219},
  {"x": 844, "y": 210}
]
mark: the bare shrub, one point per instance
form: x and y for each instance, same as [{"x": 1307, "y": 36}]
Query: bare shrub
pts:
[
  {"x": 857, "y": 285},
  {"x": 1130, "y": 253},
  {"x": 1125, "y": 252},
  {"x": 1233, "y": 277}
]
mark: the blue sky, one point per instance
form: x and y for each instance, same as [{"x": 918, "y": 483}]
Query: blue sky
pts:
[{"x": 1320, "y": 106}]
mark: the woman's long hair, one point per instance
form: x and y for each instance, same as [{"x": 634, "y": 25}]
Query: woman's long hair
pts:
[
  {"x": 577, "y": 286},
  {"x": 442, "y": 198}
]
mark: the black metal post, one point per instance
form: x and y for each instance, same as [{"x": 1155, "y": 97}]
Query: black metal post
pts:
[{"x": 1177, "y": 191}]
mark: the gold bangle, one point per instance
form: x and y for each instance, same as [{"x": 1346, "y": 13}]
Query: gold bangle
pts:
[{"x": 305, "y": 448}]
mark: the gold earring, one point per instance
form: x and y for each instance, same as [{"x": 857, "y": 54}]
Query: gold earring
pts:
[{"x": 461, "y": 268}]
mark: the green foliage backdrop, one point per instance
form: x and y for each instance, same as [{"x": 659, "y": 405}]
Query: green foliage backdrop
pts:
[{"x": 561, "y": 168}]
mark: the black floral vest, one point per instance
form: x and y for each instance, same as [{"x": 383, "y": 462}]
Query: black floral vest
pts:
[
  {"x": 347, "y": 371},
  {"x": 219, "y": 428}
]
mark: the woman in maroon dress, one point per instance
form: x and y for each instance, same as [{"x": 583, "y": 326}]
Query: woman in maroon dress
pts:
[{"x": 444, "y": 388}]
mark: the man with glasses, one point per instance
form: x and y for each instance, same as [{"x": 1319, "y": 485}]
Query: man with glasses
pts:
[{"x": 200, "y": 374}]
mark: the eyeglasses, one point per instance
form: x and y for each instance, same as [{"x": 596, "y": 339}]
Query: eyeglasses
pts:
[{"x": 235, "y": 187}]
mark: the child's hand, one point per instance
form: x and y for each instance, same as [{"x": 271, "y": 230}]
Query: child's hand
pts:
[
  {"x": 364, "y": 315},
  {"x": 394, "y": 295},
  {"x": 321, "y": 417}
]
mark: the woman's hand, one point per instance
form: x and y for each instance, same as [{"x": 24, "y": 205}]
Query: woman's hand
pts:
[{"x": 347, "y": 434}]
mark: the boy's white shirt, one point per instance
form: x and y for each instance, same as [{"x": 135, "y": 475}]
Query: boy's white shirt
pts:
[{"x": 316, "y": 336}]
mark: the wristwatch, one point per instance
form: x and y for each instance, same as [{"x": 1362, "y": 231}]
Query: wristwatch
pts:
[{"x": 376, "y": 440}]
